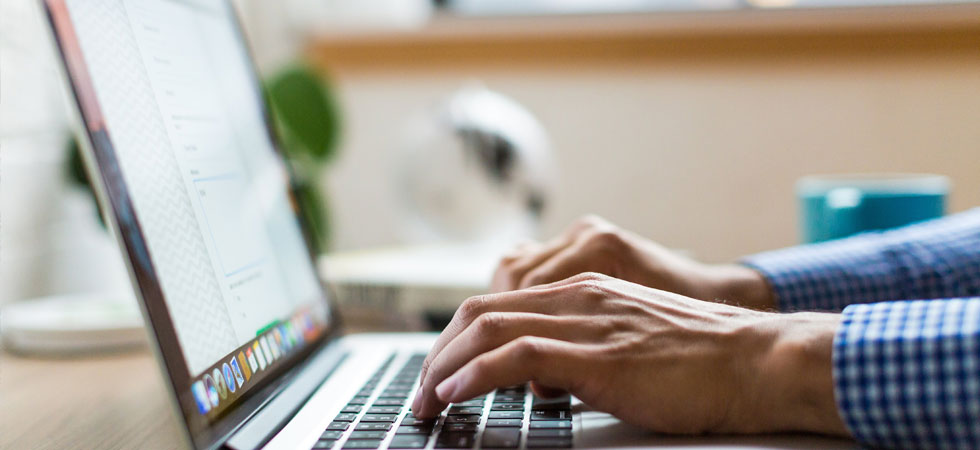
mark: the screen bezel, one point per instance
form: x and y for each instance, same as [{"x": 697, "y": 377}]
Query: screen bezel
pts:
[{"x": 104, "y": 171}]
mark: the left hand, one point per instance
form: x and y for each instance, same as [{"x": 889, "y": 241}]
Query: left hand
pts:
[{"x": 652, "y": 358}]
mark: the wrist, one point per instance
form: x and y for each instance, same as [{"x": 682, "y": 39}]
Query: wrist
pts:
[
  {"x": 793, "y": 386},
  {"x": 741, "y": 286}
]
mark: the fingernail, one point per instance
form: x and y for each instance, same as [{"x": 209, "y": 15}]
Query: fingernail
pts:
[{"x": 447, "y": 388}]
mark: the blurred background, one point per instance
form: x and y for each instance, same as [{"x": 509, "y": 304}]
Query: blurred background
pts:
[{"x": 687, "y": 121}]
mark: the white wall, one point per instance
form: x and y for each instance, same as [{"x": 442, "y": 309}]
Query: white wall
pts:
[{"x": 700, "y": 155}]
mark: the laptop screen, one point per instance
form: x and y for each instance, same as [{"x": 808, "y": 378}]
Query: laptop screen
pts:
[{"x": 180, "y": 134}]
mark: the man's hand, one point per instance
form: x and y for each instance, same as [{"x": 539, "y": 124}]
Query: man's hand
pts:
[
  {"x": 652, "y": 358},
  {"x": 592, "y": 244}
]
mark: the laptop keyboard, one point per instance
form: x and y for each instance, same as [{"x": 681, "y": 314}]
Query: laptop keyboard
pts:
[{"x": 506, "y": 418}]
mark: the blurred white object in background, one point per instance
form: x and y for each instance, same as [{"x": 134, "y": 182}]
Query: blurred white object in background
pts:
[
  {"x": 478, "y": 168},
  {"x": 407, "y": 287},
  {"x": 73, "y": 324}
]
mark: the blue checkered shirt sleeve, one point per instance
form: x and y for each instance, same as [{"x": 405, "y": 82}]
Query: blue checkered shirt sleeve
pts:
[
  {"x": 935, "y": 259},
  {"x": 906, "y": 372}
]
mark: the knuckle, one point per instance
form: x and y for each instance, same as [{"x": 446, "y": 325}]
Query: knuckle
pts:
[
  {"x": 489, "y": 324},
  {"x": 605, "y": 239},
  {"x": 471, "y": 308},
  {"x": 592, "y": 278},
  {"x": 527, "y": 348}
]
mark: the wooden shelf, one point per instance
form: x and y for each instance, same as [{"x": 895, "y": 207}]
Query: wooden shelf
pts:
[{"x": 448, "y": 41}]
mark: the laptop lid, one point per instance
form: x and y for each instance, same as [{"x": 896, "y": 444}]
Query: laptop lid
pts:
[{"x": 180, "y": 141}]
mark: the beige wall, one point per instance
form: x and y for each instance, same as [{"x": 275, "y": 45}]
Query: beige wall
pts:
[{"x": 698, "y": 154}]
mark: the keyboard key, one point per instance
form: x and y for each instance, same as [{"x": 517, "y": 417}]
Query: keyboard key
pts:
[
  {"x": 459, "y": 427},
  {"x": 455, "y": 440},
  {"x": 389, "y": 402},
  {"x": 367, "y": 435},
  {"x": 354, "y": 409},
  {"x": 414, "y": 429},
  {"x": 324, "y": 444},
  {"x": 505, "y": 423},
  {"x": 535, "y": 433},
  {"x": 562, "y": 402},
  {"x": 364, "y": 392},
  {"x": 501, "y": 438},
  {"x": 394, "y": 396},
  {"x": 506, "y": 414},
  {"x": 464, "y": 410},
  {"x": 566, "y": 424},
  {"x": 470, "y": 403},
  {"x": 331, "y": 434},
  {"x": 507, "y": 407},
  {"x": 379, "y": 418},
  {"x": 549, "y": 443},
  {"x": 338, "y": 426},
  {"x": 395, "y": 392},
  {"x": 345, "y": 417},
  {"x": 408, "y": 441},
  {"x": 367, "y": 426},
  {"x": 508, "y": 398},
  {"x": 416, "y": 421},
  {"x": 384, "y": 410},
  {"x": 557, "y": 414},
  {"x": 372, "y": 443},
  {"x": 463, "y": 419},
  {"x": 358, "y": 400}
]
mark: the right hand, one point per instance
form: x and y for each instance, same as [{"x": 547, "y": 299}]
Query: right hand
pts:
[{"x": 593, "y": 244}]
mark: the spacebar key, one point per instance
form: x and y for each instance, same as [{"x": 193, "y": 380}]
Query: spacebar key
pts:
[{"x": 501, "y": 437}]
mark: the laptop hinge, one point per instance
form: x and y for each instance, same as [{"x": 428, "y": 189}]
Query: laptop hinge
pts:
[{"x": 275, "y": 414}]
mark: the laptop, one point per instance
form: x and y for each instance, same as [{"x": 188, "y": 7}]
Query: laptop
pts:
[{"x": 179, "y": 143}]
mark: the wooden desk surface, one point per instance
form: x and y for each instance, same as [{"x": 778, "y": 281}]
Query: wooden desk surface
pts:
[{"x": 105, "y": 402}]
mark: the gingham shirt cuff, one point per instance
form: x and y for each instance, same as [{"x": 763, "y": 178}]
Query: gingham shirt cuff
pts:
[
  {"x": 829, "y": 276},
  {"x": 907, "y": 373}
]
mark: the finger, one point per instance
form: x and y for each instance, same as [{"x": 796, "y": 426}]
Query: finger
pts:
[
  {"x": 551, "y": 362},
  {"x": 577, "y": 278},
  {"x": 493, "y": 330},
  {"x": 509, "y": 273},
  {"x": 546, "y": 391},
  {"x": 530, "y": 301},
  {"x": 570, "y": 261}
]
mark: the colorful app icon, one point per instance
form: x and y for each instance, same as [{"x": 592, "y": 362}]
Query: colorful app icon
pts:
[
  {"x": 201, "y": 397},
  {"x": 291, "y": 334},
  {"x": 236, "y": 370},
  {"x": 278, "y": 340},
  {"x": 259, "y": 355},
  {"x": 212, "y": 390},
  {"x": 244, "y": 366},
  {"x": 229, "y": 377},
  {"x": 265, "y": 348},
  {"x": 219, "y": 382},
  {"x": 307, "y": 326},
  {"x": 252, "y": 362}
]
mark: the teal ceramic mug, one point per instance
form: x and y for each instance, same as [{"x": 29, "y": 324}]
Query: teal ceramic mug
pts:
[{"x": 836, "y": 206}]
